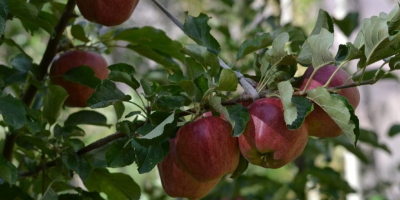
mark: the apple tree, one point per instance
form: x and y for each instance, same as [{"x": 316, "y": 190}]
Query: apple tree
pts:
[{"x": 279, "y": 99}]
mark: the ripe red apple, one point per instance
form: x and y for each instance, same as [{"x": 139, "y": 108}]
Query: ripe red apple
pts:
[
  {"x": 319, "y": 122},
  {"x": 78, "y": 94},
  {"x": 177, "y": 182},
  {"x": 267, "y": 141},
  {"x": 107, "y": 12},
  {"x": 206, "y": 149}
]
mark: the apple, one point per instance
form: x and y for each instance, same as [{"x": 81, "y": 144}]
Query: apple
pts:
[
  {"x": 177, "y": 182},
  {"x": 320, "y": 124},
  {"x": 206, "y": 149},
  {"x": 107, "y": 12},
  {"x": 266, "y": 141},
  {"x": 78, "y": 94}
]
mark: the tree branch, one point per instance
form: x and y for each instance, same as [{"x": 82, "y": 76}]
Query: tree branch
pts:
[
  {"x": 243, "y": 82},
  {"x": 104, "y": 141},
  {"x": 50, "y": 53}
]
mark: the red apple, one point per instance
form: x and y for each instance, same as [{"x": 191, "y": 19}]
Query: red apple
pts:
[
  {"x": 267, "y": 141},
  {"x": 78, "y": 94},
  {"x": 177, "y": 182},
  {"x": 319, "y": 122},
  {"x": 206, "y": 149},
  {"x": 107, "y": 12}
]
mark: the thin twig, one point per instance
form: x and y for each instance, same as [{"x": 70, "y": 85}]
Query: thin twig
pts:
[{"x": 243, "y": 82}]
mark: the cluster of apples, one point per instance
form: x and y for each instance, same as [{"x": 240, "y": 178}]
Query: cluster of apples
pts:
[{"x": 204, "y": 151}]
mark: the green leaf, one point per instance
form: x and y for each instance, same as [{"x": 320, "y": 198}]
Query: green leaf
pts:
[
  {"x": 319, "y": 45},
  {"x": 193, "y": 68},
  {"x": 251, "y": 45},
  {"x": 148, "y": 157},
  {"x": 208, "y": 60},
  {"x": 68, "y": 131},
  {"x": 304, "y": 108},
  {"x": 50, "y": 194},
  {"x": 156, "y": 56},
  {"x": 159, "y": 131},
  {"x": 123, "y": 73},
  {"x": 115, "y": 185},
  {"x": 277, "y": 54},
  {"x": 215, "y": 103},
  {"x": 336, "y": 109},
  {"x": 28, "y": 13},
  {"x": 198, "y": 29},
  {"x": 290, "y": 109},
  {"x": 346, "y": 53},
  {"x": 167, "y": 102},
  {"x": 151, "y": 38},
  {"x": 119, "y": 110},
  {"x": 133, "y": 113},
  {"x": 353, "y": 117},
  {"x": 88, "y": 117},
  {"x": 348, "y": 24},
  {"x": 8, "y": 171},
  {"x": 374, "y": 37},
  {"x": 9, "y": 76},
  {"x": 53, "y": 102},
  {"x": 13, "y": 111},
  {"x": 120, "y": 154},
  {"x": 150, "y": 90},
  {"x": 83, "y": 75},
  {"x": 202, "y": 83},
  {"x": 371, "y": 138},
  {"x": 324, "y": 21},
  {"x": 106, "y": 94},
  {"x": 227, "y": 81},
  {"x": 394, "y": 63},
  {"x": 394, "y": 18},
  {"x": 242, "y": 167},
  {"x": 27, "y": 141},
  {"x": 78, "y": 32},
  {"x": 394, "y": 130},
  {"x": 280, "y": 73},
  {"x": 22, "y": 62},
  {"x": 240, "y": 116},
  {"x": 78, "y": 164},
  {"x": 3, "y": 16},
  {"x": 191, "y": 89},
  {"x": 13, "y": 192}
]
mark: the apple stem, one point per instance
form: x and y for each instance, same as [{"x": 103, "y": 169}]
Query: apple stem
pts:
[
  {"x": 242, "y": 80},
  {"x": 334, "y": 74},
  {"x": 352, "y": 76},
  {"x": 362, "y": 75},
  {"x": 308, "y": 82}
]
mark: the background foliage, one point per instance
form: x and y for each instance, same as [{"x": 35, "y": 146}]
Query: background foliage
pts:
[{"x": 58, "y": 135}]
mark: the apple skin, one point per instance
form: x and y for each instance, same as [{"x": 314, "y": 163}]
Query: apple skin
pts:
[
  {"x": 266, "y": 141},
  {"x": 177, "y": 182},
  {"x": 206, "y": 149},
  {"x": 319, "y": 122},
  {"x": 78, "y": 94},
  {"x": 107, "y": 12}
]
